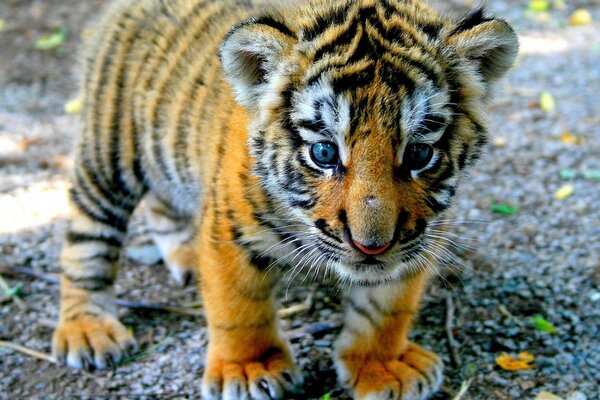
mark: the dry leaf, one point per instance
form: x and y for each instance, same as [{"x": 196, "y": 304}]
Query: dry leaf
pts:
[
  {"x": 525, "y": 356},
  {"x": 510, "y": 363},
  {"x": 538, "y": 5},
  {"x": 547, "y": 102},
  {"x": 580, "y": 17},
  {"x": 74, "y": 106},
  {"x": 569, "y": 138},
  {"x": 564, "y": 192}
]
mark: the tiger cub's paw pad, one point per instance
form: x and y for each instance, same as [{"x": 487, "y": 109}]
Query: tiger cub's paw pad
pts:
[
  {"x": 415, "y": 375},
  {"x": 270, "y": 379},
  {"x": 92, "y": 342}
]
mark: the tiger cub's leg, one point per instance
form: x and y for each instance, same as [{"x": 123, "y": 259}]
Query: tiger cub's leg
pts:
[
  {"x": 374, "y": 357},
  {"x": 246, "y": 357},
  {"x": 89, "y": 333},
  {"x": 171, "y": 232}
]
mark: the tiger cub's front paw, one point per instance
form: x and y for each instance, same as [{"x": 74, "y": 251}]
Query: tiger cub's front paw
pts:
[
  {"x": 92, "y": 341},
  {"x": 271, "y": 377},
  {"x": 415, "y": 375}
]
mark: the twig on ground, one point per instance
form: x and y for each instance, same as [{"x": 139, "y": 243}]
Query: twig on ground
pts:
[
  {"x": 504, "y": 311},
  {"x": 463, "y": 389},
  {"x": 53, "y": 278},
  {"x": 48, "y": 323},
  {"x": 12, "y": 270},
  {"x": 7, "y": 289},
  {"x": 454, "y": 357},
  {"x": 27, "y": 351},
  {"x": 297, "y": 308}
]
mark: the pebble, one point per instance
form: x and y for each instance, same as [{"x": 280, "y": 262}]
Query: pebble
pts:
[{"x": 576, "y": 395}]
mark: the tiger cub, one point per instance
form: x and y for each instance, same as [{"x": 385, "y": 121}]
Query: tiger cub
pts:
[{"x": 330, "y": 134}]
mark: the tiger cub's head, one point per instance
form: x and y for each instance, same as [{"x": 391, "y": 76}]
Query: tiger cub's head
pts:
[{"x": 365, "y": 116}]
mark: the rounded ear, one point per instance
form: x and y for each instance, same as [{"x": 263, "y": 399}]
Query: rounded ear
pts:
[
  {"x": 490, "y": 43},
  {"x": 251, "y": 52}
]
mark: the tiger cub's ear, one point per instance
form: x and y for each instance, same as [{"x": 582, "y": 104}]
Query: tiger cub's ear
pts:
[
  {"x": 490, "y": 43},
  {"x": 251, "y": 53}
]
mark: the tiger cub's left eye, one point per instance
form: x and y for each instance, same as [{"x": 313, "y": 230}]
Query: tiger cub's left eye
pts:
[
  {"x": 324, "y": 154},
  {"x": 417, "y": 156}
]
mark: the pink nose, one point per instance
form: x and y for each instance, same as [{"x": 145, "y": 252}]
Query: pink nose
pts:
[{"x": 370, "y": 250}]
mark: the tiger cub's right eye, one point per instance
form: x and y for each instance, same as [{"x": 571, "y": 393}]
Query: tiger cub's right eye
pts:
[{"x": 324, "y": 154}]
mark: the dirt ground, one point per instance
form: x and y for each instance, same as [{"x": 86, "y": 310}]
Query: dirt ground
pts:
[{"x": 534, "y": 256}]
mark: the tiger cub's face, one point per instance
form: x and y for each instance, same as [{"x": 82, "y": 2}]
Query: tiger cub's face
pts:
[{"x": 363, "y": 125}]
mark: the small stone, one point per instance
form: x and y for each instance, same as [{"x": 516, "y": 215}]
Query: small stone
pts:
[
  {"x": 145, "y": 255},
  {"x": 576, "y": 395},
  {"x": 547, "y": 396},
  {"x": 500, "y": 141}
]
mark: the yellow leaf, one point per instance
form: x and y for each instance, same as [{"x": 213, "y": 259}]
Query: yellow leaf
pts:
[
  {"x": 74, "y": 106},
  {"x": 580, "y": 17},
  {"x": 509, "y": 363},
  {"x": 538, "y": 5},
  {"x": 569, "y": 138},
  {"x": 564, "y": 192},
  {"x": 130, "y": 330},
  {"x": 2, "y": 24},
  {"x": 547, "y": 102},
  {"x": 525, "y": 356}
]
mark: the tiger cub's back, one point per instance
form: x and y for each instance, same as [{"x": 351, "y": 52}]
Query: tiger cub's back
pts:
[{"x": 155, "y": 100}]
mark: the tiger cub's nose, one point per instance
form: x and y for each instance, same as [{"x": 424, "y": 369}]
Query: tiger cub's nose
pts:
[{"x": 371, "y": 249}]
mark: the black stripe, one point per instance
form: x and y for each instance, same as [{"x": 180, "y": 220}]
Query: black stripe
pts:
[
  {"x": 118, "y": 180},
  {"x": 81, "y": 237},
  {"x": 109, "y": 255},
  {"x": 354, "y": 79},
  {"x": 317, "y": 126},
  {"x": 91, "y": 283},
  {"x": 362, "y": 312},
  {"x": 260, "y": 262},
  {"x": 272, "y": 23},
  {"x": 321, "y": 224},
  {"x": 110, "y": 174},
  {"x": 216, "y": 178},
  {"x": 304, "y": 204},
  {"x": 395, "y": 78},
  {"x": 106, "y": 216},
  {"x": 165, "y": 101},
  {"x": 471, "y": 20},
  {"x": 343, "y": 39},
  {"x": 324, "y": 21}
]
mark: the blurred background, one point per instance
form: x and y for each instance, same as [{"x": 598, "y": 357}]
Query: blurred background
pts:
[{"x": 522, "y": 273}]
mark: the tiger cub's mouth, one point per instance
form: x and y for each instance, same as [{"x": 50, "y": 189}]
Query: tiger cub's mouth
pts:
[{"x": 396, "y": 262}]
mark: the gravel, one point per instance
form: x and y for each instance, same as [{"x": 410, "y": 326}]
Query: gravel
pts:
[{"x": 542, "y": 261}]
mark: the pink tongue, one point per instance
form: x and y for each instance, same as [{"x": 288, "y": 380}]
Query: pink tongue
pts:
[{"x": 371, "y": 250}]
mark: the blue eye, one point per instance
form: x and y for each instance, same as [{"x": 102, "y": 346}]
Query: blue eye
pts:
[
  {"x": 417, "y": 156},
  {"x": 324, "y": 154}
]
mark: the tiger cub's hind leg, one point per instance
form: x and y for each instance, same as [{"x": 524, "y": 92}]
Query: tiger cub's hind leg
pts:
[
  {"x": 172, "y": 232},
  {"x": 89, "y": 333}
]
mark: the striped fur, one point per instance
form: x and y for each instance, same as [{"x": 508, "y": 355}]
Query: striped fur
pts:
[{"x": 209, "y": 110}]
